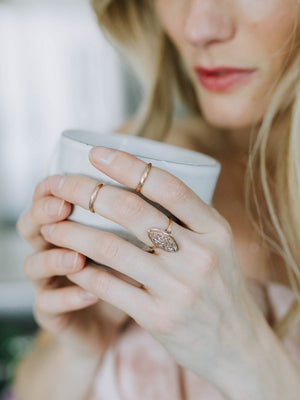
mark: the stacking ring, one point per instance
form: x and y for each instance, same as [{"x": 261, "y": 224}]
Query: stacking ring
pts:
[
  {"x": 94, "y": 196},
  {"x": 143, "y": 178}
]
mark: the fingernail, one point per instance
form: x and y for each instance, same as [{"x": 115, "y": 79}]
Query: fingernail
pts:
[
  {"x": 47, "y": 229},
  {"x": 54, "y": 207},
  {"x": 68, "y": 260},
  {"x": 103, "y": 155},
  {"x": 56, "y": 182},
  {"x": 61, "y": 208},
  {"x": 75, "y": 260},
  {"x": 87, "y": 296}
]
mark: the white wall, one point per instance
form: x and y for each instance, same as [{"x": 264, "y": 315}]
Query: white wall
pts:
[{"x": 56, "y": 72}]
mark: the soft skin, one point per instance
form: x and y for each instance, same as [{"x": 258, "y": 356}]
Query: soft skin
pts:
[
  {"x": 194, "y": 302},
  {"x": 237, "y": 33}
]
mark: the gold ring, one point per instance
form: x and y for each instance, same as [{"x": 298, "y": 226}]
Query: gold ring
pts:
[
  {"x": 94, "y": 196},
  {"x": 143, "y": 178}
]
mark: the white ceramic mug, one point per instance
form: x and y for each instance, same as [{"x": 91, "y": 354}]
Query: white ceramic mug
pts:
[{"x": 198, "y": 171}]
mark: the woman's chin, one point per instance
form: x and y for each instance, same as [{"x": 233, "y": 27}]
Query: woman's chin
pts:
[{"x": 231, "y": 120}]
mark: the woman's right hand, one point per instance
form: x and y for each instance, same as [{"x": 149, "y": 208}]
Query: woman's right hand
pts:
[{"x": 73, "y": 316}]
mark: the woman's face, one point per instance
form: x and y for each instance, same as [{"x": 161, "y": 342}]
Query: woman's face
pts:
[{"x": 247, "y": 34}]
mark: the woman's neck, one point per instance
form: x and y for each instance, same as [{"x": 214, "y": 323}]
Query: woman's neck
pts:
[{"x": 236, "y": 144}]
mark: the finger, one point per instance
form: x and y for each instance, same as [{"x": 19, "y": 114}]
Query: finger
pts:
[
  {"x": 119, "y": 205},
  {"x": 54, "y": 282},
  {"x": 108, "y": 249},
  {"x": 56, "y": 301},
  {"x": 42, "y": 211},
  {"x": 54, "y": 262},
  {"x": 160, "y": 187},
  {"x": 98, "y": 267},
  {"x": 43, "y": 189},
  {"x": 131, "y": 299}
]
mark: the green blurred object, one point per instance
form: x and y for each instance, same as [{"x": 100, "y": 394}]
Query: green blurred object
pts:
[{"x": 16, "y": 335}]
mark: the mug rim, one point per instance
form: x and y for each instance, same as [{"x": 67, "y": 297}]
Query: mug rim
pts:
[{"x": 75, "y": 135}]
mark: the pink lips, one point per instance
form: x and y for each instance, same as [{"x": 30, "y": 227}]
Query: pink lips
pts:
[{"x": 222, "y": 78}]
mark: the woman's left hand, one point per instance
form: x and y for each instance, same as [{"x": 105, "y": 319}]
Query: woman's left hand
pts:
[{"x": 195, "y": 301}]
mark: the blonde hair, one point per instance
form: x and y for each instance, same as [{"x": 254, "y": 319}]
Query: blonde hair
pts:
[{"x": 133, "y": 28}]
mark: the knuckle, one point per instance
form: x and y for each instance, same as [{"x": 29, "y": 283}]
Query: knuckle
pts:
[
  {"x": 209, "y": 260},
  {"x": 34, "y": 213},
  {"x": 129, "y": 206},
  {"x": 23, "y": 227},
  {"x": 216, "y": 213},
  {"x": 177, "y": 190},
  {"x": 224, "y": 232},
  {"x": 41, "y": 187}
]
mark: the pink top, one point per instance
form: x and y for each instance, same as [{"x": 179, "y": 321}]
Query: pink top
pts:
[{"x": 137, "y": 367}]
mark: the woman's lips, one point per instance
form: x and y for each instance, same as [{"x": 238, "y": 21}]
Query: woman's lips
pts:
[{"x": 221, "y": 79}]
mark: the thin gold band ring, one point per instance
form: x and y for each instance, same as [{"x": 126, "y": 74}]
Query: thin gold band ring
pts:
[
  {"x": 94, "y": 196},
  {"x": 143, "y": 178}
]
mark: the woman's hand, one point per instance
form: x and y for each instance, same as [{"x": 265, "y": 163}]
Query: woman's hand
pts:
[
  {"x": 74, "y": 316},
  {"x": 194, "y": 301}
]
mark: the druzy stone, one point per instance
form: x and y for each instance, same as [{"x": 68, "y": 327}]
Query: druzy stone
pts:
[{"x": 162, "y": 240}]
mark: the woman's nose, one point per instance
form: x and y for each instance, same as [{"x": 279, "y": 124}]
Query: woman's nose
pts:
[{"x": 208, "y": 21}]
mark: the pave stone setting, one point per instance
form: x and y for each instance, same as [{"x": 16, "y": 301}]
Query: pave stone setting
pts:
[{"x": 163, "y": 240}]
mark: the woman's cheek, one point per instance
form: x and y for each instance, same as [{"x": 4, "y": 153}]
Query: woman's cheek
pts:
[
  {"x": 272, "y": 20},
  {"x": 258, "y": 10}
]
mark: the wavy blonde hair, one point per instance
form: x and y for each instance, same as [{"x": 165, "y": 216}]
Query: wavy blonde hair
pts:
[{"x": 133, "y": 28}]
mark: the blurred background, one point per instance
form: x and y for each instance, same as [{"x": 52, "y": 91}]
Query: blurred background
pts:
[{"x": 57, "y": 71}]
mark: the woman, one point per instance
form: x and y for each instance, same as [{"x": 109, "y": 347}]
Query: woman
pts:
[{"x": 217, "y": 318}]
